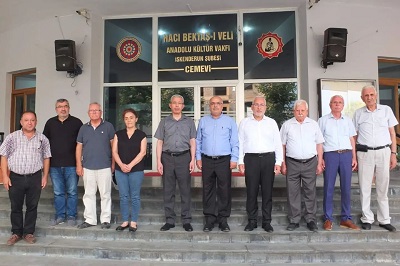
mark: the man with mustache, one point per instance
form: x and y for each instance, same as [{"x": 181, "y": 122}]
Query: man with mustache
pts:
[
  {"x": 217, "y": 152},
  {"x": 302, "y": 144}
]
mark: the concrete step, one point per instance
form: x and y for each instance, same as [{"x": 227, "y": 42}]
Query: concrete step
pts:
[
  {"x": 238, "y": 204},
  {"x": 152, "y": 233},
  {"x": 196, "y": 192},
  {"x": 46, "y": 214},
  {"x": 138, "y": 250},
  {"x": 32, "y": 260}
]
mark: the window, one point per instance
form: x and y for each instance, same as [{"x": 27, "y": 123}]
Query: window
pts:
[
  {"x": 269, "y": 45},
  {"x": 280, "y": 97},
  {"x": 117, "y": 99},
  {"x": 127, "y": 50},
  {"x": 23, "y": 96}
]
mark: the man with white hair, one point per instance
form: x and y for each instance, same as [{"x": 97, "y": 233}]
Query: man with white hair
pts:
[
  {"x": 302, "y": 146},
  {"x": 339, "y": 157},
  {"x": 376, "y": 154}
]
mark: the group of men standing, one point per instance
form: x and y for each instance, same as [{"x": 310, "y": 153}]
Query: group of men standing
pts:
[{"x": 301, "y": 150}]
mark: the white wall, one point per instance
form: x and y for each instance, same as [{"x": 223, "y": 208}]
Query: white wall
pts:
[
  {"x": 373, "y": 30},
  {"x": 32, "y": 46}
]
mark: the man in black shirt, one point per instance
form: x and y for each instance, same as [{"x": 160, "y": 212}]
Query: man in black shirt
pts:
[{"x": 62, "y": 131}]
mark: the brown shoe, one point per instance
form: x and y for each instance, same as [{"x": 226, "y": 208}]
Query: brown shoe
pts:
[
  {"x": 328, "y": 225},
  {"x": 13, "y": 239},
  {"x": 30, "y": 238},
  {"x": 349, "y": 225}
]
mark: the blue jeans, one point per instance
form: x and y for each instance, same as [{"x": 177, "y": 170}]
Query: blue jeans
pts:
[
  {"x": 65, "y": 181},
  {"x": 129, "y": 185}
]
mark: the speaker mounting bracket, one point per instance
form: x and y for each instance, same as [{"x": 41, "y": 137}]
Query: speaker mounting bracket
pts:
[{"x": 325, "y": 64}]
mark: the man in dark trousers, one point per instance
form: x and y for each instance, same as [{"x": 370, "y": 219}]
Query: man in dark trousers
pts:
[
  {"x": 217, "y": 150},
  {"x": 62, "y": 131},
  {"x": 260, "y": 158},
  {"x": 176, "y": 148},
  {"x": 26, "y": 154}
]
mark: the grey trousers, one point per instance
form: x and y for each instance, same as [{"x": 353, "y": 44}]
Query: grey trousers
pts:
[
  {"x": 176, "y": 168},
  {"x": 301, "y": 181}
]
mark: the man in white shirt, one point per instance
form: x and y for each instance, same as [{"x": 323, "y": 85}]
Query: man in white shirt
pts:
[
  {"x": 260, "y": 158},
  {"x": 376, "y": 154},
  {"x": 302, "y": 145}
]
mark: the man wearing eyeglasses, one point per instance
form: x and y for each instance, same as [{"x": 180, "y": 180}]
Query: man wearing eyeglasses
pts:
[
  {"x": 217, "y": 150},
  {"x": 62, "y": 131},
  {"x": 94, "y": 163},
  {"x": 260, "y": 159},
  {"x": 339, "y": 157},
  {"x": 176, "y": 148}
]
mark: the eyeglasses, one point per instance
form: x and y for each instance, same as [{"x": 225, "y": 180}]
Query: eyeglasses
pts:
[
  {"x": 62, "y": 106},
  {"x": 259, "y": 104},
  {"x": 94, "y": 111},
  {"x": 213, "y": 103}
]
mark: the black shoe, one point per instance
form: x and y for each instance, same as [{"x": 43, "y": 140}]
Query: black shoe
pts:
[
  {"x": 388, "y": 227},
  {"x": 250, "y": 226},
  {"x": 224, "y": 227},
  {"x": 121, "y": 228},
  {"x": 268, "y": 228},
  {"x": 208, "y": 227},
  {"x": 132, "y": 229},
  {"x": 366, "y": 226},
  {"x": 84, "y": 225},
  {"x": 166, "y": 227},
  {"x": 312, "y": 226},
  {"x": 105, "y": 225},
  {"x": 188, "y": 227},
  {"x": 292, "y": 226}
]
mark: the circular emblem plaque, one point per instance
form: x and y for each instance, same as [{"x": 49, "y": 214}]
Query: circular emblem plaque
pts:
[
  {"x": 270, "y": 45},
  {"x": 129, "y": 49}
]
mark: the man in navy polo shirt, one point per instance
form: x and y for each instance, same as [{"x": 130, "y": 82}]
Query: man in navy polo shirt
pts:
[
  {"x": 94, "y": 163},
  {"x": 62, "y": 131}
]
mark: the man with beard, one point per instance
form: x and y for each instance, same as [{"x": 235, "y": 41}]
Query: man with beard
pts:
[{"x": 260, "y": 159}]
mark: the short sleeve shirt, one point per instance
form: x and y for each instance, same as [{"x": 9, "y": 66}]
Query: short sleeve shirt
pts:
[
  {"x": 96, "y": 145},
  {"x": 373, "y": 127},
  {"x": 25, "y": 156},
  {"x": 176, "y": 134},
  {"x": 301, "y": 139},
  {"x": 336, "y": 132}
]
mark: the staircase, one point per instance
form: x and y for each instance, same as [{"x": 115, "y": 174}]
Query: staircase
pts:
[{"x": 64, "y": 245}]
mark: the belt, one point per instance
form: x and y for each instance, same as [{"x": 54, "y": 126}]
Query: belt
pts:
[
  {"x": 341, "y": 151},
  {"x": 175, "y": 154},
  {"x": 378, "y": 148},
  {"x": 26, "y": 175},
  {"x": 259, "y": 154},
  {"x": 214, "y": 157},
  {"x": 301, "y": 160}
]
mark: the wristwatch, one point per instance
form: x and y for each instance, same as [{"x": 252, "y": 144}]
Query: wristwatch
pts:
[{"x": 393, "y": 152}]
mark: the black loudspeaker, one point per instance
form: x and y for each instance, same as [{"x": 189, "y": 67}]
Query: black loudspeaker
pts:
[
  {"x": 65, "y": 55},
  {"x": 335, "y": 41}
]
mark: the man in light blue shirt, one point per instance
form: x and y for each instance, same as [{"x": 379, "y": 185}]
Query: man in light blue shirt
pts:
[
  {"x": 217, "y": 153},
  {"x": 339, "y": 157}
]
